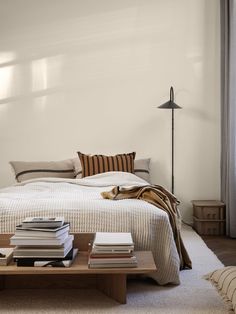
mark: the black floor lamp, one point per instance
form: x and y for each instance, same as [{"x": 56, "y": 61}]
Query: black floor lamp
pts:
[{"x": 171, "y": 105}]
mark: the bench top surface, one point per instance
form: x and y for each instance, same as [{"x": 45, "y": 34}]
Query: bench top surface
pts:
[{"x": 145, "y": 260}]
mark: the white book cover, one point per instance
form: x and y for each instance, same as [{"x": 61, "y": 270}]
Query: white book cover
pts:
[{"x": 113, "y": 239}]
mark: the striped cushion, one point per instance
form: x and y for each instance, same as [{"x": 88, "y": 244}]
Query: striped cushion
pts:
[
  {"x": 224, "y": 280},
  {"x": 141, "y": 168},
  {"x": 39, "y": 169},
  {"x": 100, "y": 163}
]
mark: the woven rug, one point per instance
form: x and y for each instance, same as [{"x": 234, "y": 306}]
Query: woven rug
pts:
[{"x": 194, "y": 295}]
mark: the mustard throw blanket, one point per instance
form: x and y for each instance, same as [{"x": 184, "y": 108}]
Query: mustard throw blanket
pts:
[{"x": 161, "y": 198}]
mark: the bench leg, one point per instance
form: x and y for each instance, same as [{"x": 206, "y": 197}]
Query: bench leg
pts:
[
  {"x": 113, "y": 285},
  {"x": 2, "y": 282}
]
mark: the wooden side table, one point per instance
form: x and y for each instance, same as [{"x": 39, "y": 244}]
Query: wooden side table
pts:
[{"x": 209, "y": 217}]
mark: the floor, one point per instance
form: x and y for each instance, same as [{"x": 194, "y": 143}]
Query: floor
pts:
[
  {"x": 144, "y": 296},
  {"x": 223, "y": 247}
]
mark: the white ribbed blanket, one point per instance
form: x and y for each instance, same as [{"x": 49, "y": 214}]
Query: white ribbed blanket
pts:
[{"x": 80, "y": 202}]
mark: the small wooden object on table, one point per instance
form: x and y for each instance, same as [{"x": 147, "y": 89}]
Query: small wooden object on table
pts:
[
  {"x": 209, "y": 217},
  {"x": 111, "y": 281}
]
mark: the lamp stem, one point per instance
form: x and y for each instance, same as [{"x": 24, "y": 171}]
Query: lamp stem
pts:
[{"x": 172, "y": 165}]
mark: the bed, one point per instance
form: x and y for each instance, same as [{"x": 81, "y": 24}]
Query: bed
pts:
[{"x": 81, "y": 203}]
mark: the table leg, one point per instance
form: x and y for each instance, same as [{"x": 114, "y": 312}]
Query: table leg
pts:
[
  {"x": 113, "y": 285},
  {"x": 2, "y": 282}
]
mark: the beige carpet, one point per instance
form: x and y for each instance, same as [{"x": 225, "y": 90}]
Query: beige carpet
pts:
[{"x": 194, "y": 295}]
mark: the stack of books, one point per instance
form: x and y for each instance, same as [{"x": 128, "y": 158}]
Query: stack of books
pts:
[
  {"x": 43, "y": 241},
  {"x": 112, "y": 250},
  {"x": 6, "y": 255}
]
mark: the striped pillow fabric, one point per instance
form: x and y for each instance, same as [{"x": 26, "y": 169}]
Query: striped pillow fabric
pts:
[
  {"x": 95, "y": 164},
  {"x": 224, "y": 280},
  {"x": 25, "y": 170}
]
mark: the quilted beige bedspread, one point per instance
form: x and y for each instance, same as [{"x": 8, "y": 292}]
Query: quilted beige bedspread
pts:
[{"x": 81, "y": 203}]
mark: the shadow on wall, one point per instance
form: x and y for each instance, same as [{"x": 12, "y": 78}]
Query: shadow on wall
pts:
[{"x": 88, "y": 75}]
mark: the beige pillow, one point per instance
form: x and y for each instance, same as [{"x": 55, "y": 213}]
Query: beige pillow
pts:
[
  {"x": 39, "y": 169},
  {"x": 77, "y": 167},
  {"x": 142, "y": 170},
  {"x": 224, "y": 280}
]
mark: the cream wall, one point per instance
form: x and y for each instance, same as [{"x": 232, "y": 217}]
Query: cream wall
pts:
[{"x": 88, "y": 75}]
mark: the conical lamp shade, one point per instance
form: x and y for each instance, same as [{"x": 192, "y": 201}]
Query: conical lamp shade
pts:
[{"x": 170, "y": 104}]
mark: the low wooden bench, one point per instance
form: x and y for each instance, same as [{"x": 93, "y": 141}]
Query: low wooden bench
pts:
[{"x": 111, "y": 281}]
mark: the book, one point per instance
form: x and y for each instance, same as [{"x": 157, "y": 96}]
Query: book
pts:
[
  {"x": 114, "y": 266},
  {"x": 29, "y": 262},
  {"x": 115, "y": 260},
  {"x": 42, "y": 232},
  {"x": 112, "y": 249},
  {"x": 42, "y": 222},
  {"x": 38, "y": 241},
  {"x": 48, "y": 252},
  {"x": 113, "y": 239},
  {"x": 110, "y": 255},
  {"x": 5, "y": 256},
  {"x": 55, "y": 253},
  {"x": 58, "y": 263}
]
